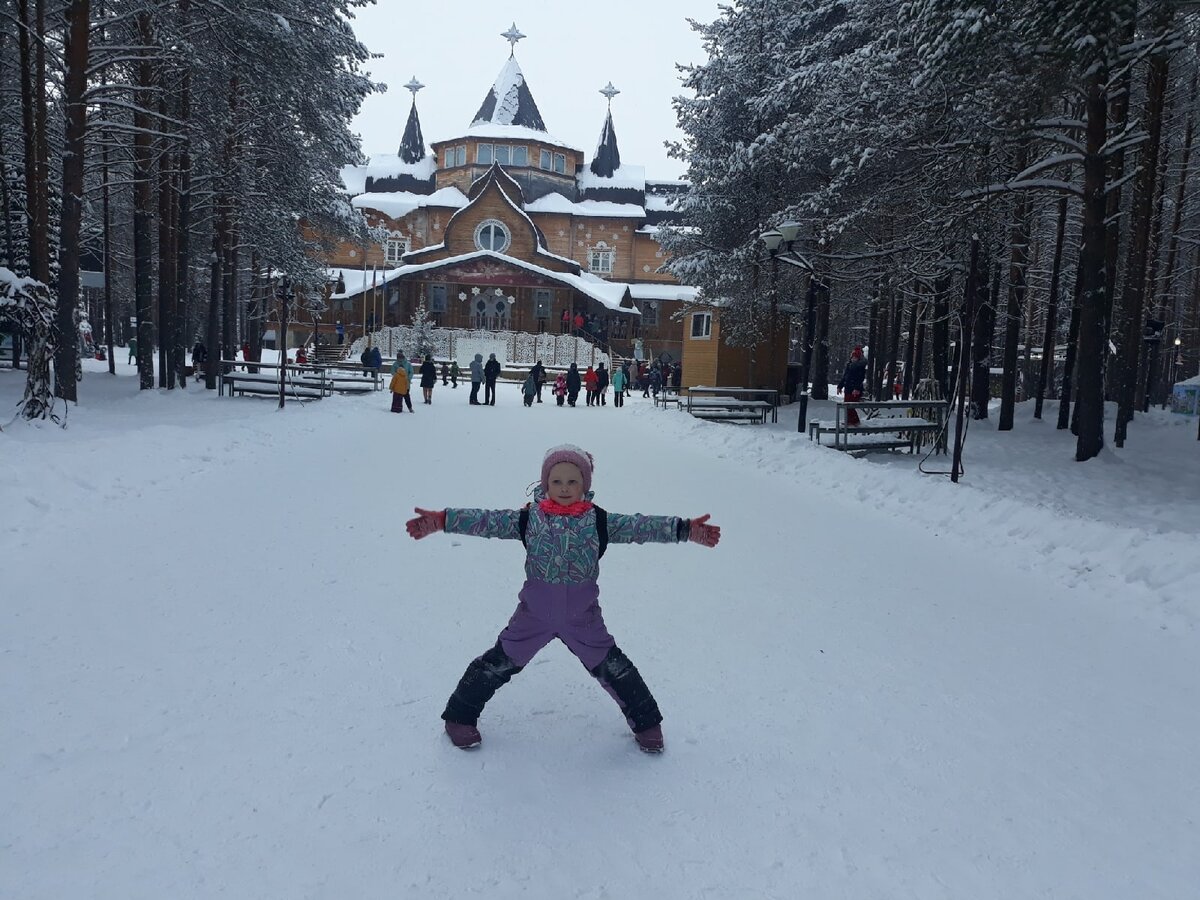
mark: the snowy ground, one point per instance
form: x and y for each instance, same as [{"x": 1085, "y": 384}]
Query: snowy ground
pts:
[{"x": 222, "y": 661}]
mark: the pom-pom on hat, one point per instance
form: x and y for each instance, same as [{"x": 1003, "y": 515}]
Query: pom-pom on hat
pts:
[
  {"x": 568, "y": 453},
  {"x": 857, "y": 352}
]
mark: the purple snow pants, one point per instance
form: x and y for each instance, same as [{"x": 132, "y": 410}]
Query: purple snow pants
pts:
[{"x": 569, "y": 612}]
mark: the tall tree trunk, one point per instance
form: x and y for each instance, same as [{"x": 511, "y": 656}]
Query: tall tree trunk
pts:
[
  {"x": 166, "y": 259},
  {"x": 982, "y": 337},
  {"x": 1089, "y": 407},
  {"x": 183, "y": 242},
  {"x": 810, "y": 324},
  {"x": 910, "y": 345},
  {"x": 31, "y": 75},
  {"x": 1117, "y": 112},
  {"x": 941, "y": 333},
  {"x": 873, "y": 342},
  {"x": 212, "y": 334},
  {"x": 143, "y": 201},
  {"x": 1128, "y": 327},
  {"x": 820, "y": 388},
  {"x": 974, "y": 274},
  {"x": 42, "y": 147},
  {"x": 1018, "y": 240},
  {"x": 75, "y": 54},
  {"x": 6, "y": 200},
  {"x": 1050, "y": 334}
]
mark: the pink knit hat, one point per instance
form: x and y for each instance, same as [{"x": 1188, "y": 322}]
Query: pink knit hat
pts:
[{"x": 568, "y": 453}]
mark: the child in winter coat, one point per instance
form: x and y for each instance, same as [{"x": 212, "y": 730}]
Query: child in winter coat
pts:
[
  {"x": 530, "y": 388},
  {"x": 399, "y": 389},
  {"x": 564, "y": 536},
  {"x": 589, "y": 382},
  {"x": 560, "y": 388}
]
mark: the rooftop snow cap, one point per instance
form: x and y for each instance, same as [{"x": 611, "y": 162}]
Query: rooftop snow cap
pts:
[
  {"x": 568, "y": 453},
  {"x": 509, "y": 101}
]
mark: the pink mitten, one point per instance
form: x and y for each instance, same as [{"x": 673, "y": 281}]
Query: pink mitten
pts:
[
  {"x": 701, "y": 533},
  {"x": 426, "y": 523}
]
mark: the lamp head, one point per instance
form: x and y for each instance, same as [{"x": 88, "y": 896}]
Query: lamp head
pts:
[
  {"x": 772, "y": 239},
  {"x": 1178, "y": 342},
  {"x": 789, "y": 230}
]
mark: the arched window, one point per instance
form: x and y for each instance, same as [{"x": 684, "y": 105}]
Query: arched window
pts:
[{"x": 492, "y": 235}]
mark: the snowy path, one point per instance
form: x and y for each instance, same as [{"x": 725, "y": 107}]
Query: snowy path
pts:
[{"x": 945, "y": 720}]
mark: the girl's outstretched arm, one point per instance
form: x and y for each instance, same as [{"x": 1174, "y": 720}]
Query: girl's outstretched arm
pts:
[
  {"x": 490, "y": 523},
  {"x": 633, "y": 528}
]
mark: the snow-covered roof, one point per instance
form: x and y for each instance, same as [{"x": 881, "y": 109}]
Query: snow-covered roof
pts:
[
  {"x": 358, "y": 280},
  {"x": 399, "y": 204},
  {"x": 386, "y": 165},
  {"x": 625, "y": 176},
  {"x": 557, "y": 203},
  {"x": 1191, "y": 382},
  {"x": 655, "y": 203},
  {"x": 509, "y": 101},
  {"x": 607, "y": 292},
  {"x": 684, "y": 292}
]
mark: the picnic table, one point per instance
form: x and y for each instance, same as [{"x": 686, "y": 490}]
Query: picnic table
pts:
[
  {"x": 308, "y": 380},
  {"x": 896, "y": 431},
  {"x": 734, "y": 402}
]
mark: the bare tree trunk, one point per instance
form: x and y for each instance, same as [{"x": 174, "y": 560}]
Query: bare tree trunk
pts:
[
  {"x": 183, "y": 242},
  {"x": 1128, "y": 327},
  {"x": 1051, "y": 331},
  {"x": 41, "y": 225},
  {"x": 166, "y": 258},
  {"x": 810, "y": 324},
  {"x": 1018, "y": 259},
  {"x": 75, "y": 54},
  {"x": 212, "y": 335},
  {"x": 982, "y": 336},
  {"x": 910, "y": 345},
  {"x": 941, "y": 333},
  {"x": 1092, "y": 341},
  {"x": 820, "y": 387},
  {"x": 143, "y": 199},
  {"x": 964, "y": 356}
]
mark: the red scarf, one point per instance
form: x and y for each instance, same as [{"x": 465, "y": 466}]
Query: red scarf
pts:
[{"x": 554, "y": 508}]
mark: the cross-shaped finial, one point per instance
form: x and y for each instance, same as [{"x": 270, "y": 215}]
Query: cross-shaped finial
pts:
[
  {"x": 512, "y": 36},
  {"x": 609, "y": 91},
  {"x": 414, "y": 86}
]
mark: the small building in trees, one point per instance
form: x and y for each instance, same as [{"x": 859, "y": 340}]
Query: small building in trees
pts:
[
  {"x": 709, "y": 360},
  {"x": 506, "y": 227}
]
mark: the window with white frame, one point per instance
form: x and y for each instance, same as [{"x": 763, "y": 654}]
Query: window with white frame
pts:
[
  {"x": 448, "y": 158},
  {"x": 502, "y": 154},
  {"x": 460, "y": 156},
  {"x": 701, "y": 325},
  {"x": 437, "y": 298},
  {"x": 547, "y": 160},
  {"x": 492, "y": 235},
  {"x": 600, "y": 259},
  {"x": 394, "y": 249},
  {"x": 520, "y": 156},
  {"x": 560, "y": 164},
  {"x": 483, "y": 154}
]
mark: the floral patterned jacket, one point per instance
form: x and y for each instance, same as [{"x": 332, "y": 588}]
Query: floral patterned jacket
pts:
[{"x": 562, "y": 549}]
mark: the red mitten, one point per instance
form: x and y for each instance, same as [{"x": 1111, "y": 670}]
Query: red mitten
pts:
[
  {"x": 426, "y": 523},
  {"x": 708, "y": 535}
]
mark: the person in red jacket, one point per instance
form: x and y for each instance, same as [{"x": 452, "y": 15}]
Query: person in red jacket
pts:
[{"x": 590, "y": 380}]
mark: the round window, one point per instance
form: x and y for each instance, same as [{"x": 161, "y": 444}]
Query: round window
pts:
[{"x": 492, "y": 235}]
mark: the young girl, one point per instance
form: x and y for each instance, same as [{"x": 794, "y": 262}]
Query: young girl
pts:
[
  {"x": 560, "y": 388},
  {"x": 564, "y": 536}
]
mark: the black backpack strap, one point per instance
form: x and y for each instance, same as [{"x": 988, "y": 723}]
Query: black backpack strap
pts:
[
  {"x": 523, "y": 523},
  {"x": 601, "y": 528}
]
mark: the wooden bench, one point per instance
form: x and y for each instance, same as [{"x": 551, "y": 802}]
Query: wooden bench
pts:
[
  {"x": 267, "y": 385},
  {"x": 350, "y": 383},
  {"x": 903, "y": 431},
  {"x": 729, "y": 409},
  {"x": 668, "y": 398}
]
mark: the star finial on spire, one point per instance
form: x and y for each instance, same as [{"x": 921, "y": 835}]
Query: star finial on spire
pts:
[
  {"x": 609, "y": 91},
  {"x": 414, "y": 86},
  {"x": 512, "y": 36}
]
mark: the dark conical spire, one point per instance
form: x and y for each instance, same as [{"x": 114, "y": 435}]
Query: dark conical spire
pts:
[
  {"x": 412, "y": 145},
  {"x": 509, "y": 101},
  {"x": 608, "y": 157}
]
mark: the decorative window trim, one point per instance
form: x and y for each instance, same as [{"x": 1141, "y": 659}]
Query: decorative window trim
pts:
[
  {"x": 522, "y": 151},
  {"x": 650, "y": 313},
  {"x": 546, "y": 160},
  {"x": 497, "y": 225},
  {"x": 394, "y": 248},
  {"x": 504, "y": 150},
  {"x": 601, "y": 258},
  {"x": 460, "y": 155},
  {"x": 701, "y": 326},
  {"x": 484, "y": 154},
  {"x": 560, "y": 163}
]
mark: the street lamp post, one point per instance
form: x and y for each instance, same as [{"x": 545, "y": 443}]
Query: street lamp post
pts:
[{"x": 781, "y": 246}]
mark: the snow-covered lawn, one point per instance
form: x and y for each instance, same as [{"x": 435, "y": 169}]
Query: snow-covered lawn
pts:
[{"x": 222, "y": 661}]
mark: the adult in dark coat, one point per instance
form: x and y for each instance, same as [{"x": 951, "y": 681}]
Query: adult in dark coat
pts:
[
  {"x": 428, "y": 378},
  {"x": 491, "y": 371},
  {"x": 539, "y": 374},
  {"x": 852, "y": 382},
  {"x": 574, "y": 383},
  {"x": 601, "y": 383}
]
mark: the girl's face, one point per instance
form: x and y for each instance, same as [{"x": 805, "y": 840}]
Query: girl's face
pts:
[{"x": 565, "y": 483}]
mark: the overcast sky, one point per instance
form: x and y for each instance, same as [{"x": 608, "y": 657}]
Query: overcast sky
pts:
[{"x": 571, "y": 50}]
